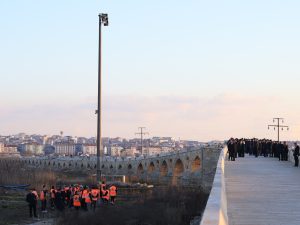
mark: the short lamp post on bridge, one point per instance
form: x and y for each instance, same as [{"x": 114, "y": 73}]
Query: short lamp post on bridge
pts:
[
  {"x": 278, "y": 126},
  {"x": 103, "y": 19}
]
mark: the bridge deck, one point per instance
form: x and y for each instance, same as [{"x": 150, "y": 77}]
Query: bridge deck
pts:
[{"x": 262, "y": 191}]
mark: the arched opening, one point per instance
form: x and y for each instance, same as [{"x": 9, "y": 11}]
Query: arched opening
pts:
[
  {"x": 53, "y": 164},
  {"x": 88, "y": 166},
  {"x": 151, "y": 167},
  {"x": 140, "y": 169},
  {"x": 129, "y": 167},
  {"x": 81, "y": 165},
  {"x": 102, "y": 166},
  {"x": 70, "y": 164},
  {"x": 164, "y": 168},
  {"x": 179, "y": 168},
  {"x": 196, "y": 164},
  {"x": 95, "y": 166},
  {"x": 111, "y": 167},
  {"x": 120, "y": 167},
  {"x": 64, "y": 165}
]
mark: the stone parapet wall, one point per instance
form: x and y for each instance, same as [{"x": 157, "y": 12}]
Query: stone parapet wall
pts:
[{"x": 216, "y": 209}]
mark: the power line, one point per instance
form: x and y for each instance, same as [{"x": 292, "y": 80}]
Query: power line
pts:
[
  {"x": 278, "y": 126},
  {"x": 142, "y": 134}
]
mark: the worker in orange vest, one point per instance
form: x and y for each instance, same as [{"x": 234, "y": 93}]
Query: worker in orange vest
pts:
[
  {"x": 43, "y": 198},
  {"x": 94, "y": 196},
  {"x": 105, "y": 196},
  {"x": 52, "y": 196},
  {"x": 113, "y": 193},
  {"x": 85, "y": 196},
  {"x": 102, "y": 188},
  {"x": 76, "y": 201}
]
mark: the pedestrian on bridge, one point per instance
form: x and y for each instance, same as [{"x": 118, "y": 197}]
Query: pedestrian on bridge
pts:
[{"x": 296, "y": 154}]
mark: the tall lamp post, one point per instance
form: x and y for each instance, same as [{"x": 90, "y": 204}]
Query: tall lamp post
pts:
[
  {"x": 278, "y": 126},
  {"x": 103, "y": 19}
]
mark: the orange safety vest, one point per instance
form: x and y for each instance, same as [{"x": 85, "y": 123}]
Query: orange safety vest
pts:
[
  {"x": 86, "y": 196},
  {"x": 76, "y": 201},
  {"x": 42, "y": 195},
  {"x": 105, "y": 195},
  {"x": 94, "y": 194},
  {"x": 113, "y": 191},
  {"x": 52, "y": 191}
]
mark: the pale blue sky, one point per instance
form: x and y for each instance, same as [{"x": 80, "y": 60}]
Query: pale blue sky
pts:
[{"x": 181, "y": 50}]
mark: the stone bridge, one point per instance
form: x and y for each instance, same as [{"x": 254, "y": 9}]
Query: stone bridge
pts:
[{"x": 195, "y": 167}]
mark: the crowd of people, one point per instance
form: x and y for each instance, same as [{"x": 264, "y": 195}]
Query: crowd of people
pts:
[
  {"x": 73, "y": 196},
  {"x": 260, "y": 147}
]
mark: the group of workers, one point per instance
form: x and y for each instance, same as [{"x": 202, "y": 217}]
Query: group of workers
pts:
[
  {"x": 260, "y": 147},
  {"x": 77, "y": 196}
]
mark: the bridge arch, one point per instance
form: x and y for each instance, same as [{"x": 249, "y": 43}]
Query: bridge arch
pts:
[
  {"x": 164, "y": 168},
  {"x": 178, "y": 168},
  {"x": 129, "y": 167},
  {"x": 151, "y": 167},
  {"x": 140, "y": 169},
  {"x": 196, "y": 164}
]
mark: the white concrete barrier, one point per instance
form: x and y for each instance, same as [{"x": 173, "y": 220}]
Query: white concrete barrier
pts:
[{"x": 216, "y": 208}]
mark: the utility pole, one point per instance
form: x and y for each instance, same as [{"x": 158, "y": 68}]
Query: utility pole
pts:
[
  {"x": 142, "y": 134},
  {"x": 278, "y": 126},
  {"x": 103, "y": 19}
]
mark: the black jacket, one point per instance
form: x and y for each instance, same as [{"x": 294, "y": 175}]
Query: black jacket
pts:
[
  {"x": 296, "y": 152},
  {"x": 31, "y": 198}
]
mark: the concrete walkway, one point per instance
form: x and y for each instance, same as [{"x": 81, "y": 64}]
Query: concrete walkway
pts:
[{"x": 262, "y": 191}]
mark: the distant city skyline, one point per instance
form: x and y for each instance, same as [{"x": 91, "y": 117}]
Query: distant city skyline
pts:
[{"x": 197, "y": 70}]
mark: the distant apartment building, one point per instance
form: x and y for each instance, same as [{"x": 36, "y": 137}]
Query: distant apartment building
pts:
[
  {"x": 152, "y": 150},
  {"x": 8, "y": 150},
  {"x": 11, "y": 149},
  {"x": 65, "y": 148},
  {"x": 129, "y": 152},
  {"x": 32, "y": 148},
  {"x": 1, "y": 147},
  {"x": 89, "y": 149},
  {"x": 116, "y": 151}
]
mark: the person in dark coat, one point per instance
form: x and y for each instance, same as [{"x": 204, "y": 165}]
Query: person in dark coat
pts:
[
  {"x": 32, "y": 202},
  {"x": 296, "y": 154},
  {"x": 230, "y": 145},
  {"x": 59, "y": 201}
]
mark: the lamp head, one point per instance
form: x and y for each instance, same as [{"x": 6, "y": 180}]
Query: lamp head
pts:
[{"x": 104, "y": 19}]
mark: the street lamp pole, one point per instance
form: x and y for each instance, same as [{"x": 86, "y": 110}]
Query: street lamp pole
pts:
[
  {"x": 278, "y": 126},
  {"x": 103, "y": 19}
]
